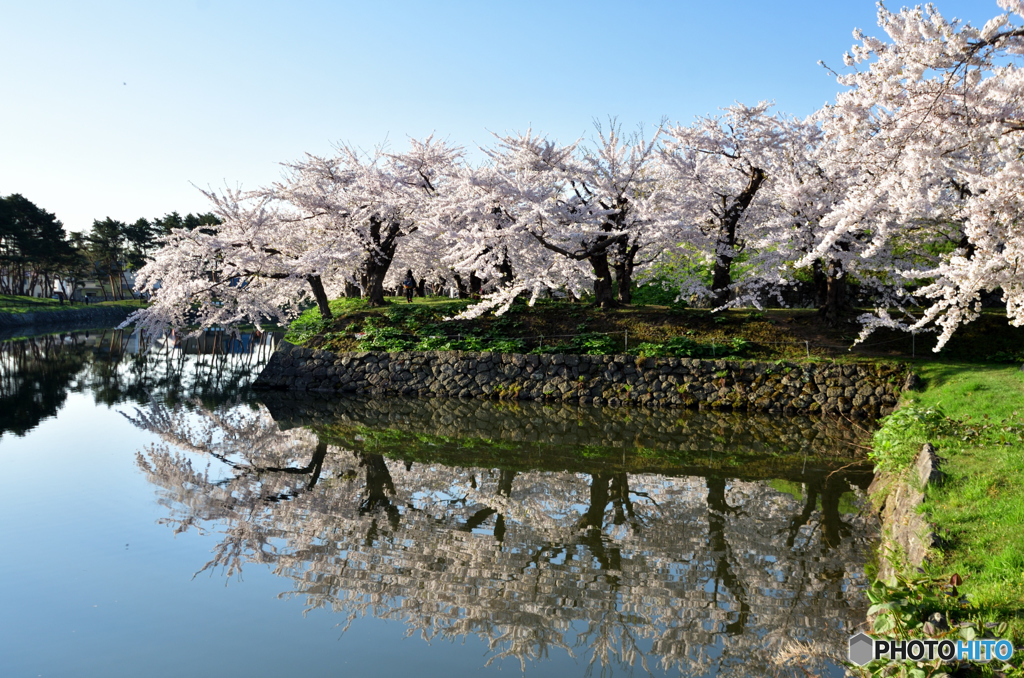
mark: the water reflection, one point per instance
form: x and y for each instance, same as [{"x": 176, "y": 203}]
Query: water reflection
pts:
[
  {"x": 116, "y": 366},
  {"x": 532, "y": 435},
  {"x": 589, "y": 532}
]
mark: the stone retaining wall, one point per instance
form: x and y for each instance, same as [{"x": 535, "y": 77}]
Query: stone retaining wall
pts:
[
  {"x": 907, "y": 534},
  {"x": 860, "y": 390}
]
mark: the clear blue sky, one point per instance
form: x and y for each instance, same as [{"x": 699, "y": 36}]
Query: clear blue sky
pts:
[{"x": 117, "y": 108}]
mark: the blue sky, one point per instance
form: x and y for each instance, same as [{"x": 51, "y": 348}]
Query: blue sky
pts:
[{"x": 118, "y": 108}]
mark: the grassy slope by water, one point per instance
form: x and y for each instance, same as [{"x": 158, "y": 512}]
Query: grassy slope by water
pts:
[
  {"x": 790, "y": 334},
  {"x": 18, "y": 304},
  {"x": 978, "y": 429}
]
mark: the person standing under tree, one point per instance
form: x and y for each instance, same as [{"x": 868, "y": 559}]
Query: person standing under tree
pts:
[{"x": 410, "y": 286}]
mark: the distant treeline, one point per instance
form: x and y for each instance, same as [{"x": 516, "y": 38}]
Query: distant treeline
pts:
[{"x": 39, "y": 258}]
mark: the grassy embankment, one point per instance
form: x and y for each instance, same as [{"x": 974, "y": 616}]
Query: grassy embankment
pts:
[
  {"x": 790, "y": 334},
  {"x": 974, "y": 416},
  {"x": 17, "y": 304},
  {"x": 970, "y": 406}
]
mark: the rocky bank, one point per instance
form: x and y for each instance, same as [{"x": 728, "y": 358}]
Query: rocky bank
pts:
[{"x": 806, "y": 388}]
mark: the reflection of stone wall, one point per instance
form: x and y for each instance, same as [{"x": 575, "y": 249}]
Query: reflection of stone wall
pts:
[
  {"x": 606, "y": 379},
  {"x": 552, "y": 436}
]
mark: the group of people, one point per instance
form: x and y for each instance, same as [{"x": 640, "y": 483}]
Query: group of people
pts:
[{"x": 410, "y": 286}]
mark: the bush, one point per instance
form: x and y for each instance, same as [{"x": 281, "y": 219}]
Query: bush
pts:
[
  {"x": 684, "y": 347},
  {"x": 585, "y": 343},
  {"x": 306, "y": 326},
  {"x": 903, "y": 433},
  {"x": 656, "y": 293}
]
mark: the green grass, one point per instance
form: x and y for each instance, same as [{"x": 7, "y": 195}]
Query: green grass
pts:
[
  {"x": 651, "y": 329},
  {"x": 14, "y": 304},
  {"x": 549, "y": 327},
  {"x": 309, "y": 325},
  {"x": 17, "y": 304},
  {"x": 970, "y": 391},
  {"x": 977, "y": 428}
]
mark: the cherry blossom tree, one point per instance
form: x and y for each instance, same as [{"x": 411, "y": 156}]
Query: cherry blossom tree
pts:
[
  {"x": 253, "y": 267},
  {"x": 722, "y": 170},
  {"x": 623, "y": 175},
  {"x": 540, "y": 215},
  {"x": 607, "y": 206},
  {"x": 495, "y": 213},
  {"x": 334, "y": 222},
  {"x": 369, "y": 203},
  {"x": 810, "y": 186},
  {"x": 931, "y": 123}
]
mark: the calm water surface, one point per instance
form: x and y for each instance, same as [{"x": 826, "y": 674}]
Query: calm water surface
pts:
[{"x": 161, "y": 520}]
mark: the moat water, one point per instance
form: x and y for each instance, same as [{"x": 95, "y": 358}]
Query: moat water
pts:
[{"x": 159, "y": 519}]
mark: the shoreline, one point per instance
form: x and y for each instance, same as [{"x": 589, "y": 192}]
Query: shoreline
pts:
[{"x": 97, "y": 315}]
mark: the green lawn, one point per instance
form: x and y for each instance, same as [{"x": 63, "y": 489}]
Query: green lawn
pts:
[
  {"x": 974, "y": 416},
  {"x": 17, "y": 304}
]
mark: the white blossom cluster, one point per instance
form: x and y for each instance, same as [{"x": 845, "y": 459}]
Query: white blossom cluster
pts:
[{"x": 930, "y": 127}]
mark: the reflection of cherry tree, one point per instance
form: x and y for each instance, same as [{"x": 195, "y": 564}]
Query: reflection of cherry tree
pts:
[{"x": 697, "y": 573}]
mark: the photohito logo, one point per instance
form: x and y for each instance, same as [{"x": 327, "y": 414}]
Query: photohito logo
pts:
[{"x": 864, "y": 648}]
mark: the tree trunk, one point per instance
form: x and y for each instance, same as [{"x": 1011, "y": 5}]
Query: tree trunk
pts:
[
  {"x": 317, "y": 463},
  {"x": 113, "y": 287},
  {"x": 832, "y": 522},
  {"x": 624, "y": 265},
  {"x": 124, "y": 279},
  {"x": 725, "y": 247},
  {"x": 379, "y": 488},
  {"x": 475, "y": 285},
  {"x": 718, "y": 508},
  {"x": 619, "y": 491},
  {"x": 352, "y": 291},
  {"x": 836, "y": 304},
  {"x": 321, "y": 296},
  {"x": 603, "y": 282},
  {"x": 376, "y": 269},
  {"x": 378, "y": 261},
  {"x": 505, "y": 490},
  {"x": 599, "y": 497},
  {"x": 624, "y": 280},
  {"x": 505, "y": 268},
  {"x": 820, "y": 284},
  {"x": 461, "y": 287},
  {"x": 721, "y": 278},
  {"x": 421, "y": 289}
]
